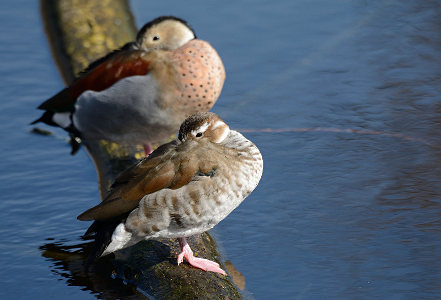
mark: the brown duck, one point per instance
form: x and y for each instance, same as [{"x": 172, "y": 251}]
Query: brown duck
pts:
[
  {"x": 183, "y": 188},
  {"x": 141, "y": 93}
]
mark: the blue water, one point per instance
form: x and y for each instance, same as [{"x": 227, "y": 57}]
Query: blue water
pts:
[{"x": 337, "y": 215}]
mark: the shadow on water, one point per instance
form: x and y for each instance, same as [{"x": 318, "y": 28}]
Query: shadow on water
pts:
[
  {"x": 69, "y": 263},
  {"x": 109, "y": 277},
  {"x": 347, "y": 213}
]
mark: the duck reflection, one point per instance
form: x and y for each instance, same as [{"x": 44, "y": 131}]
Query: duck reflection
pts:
[
  {"x": 108, "y": 278},
  {"x": 70, "y": 263}
]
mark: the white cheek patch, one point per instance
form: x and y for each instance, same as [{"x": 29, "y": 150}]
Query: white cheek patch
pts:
[
  {"x": 224, "y": 135},
  {"x": 200, "y": 129},
  {"x": 188, "y": 36},
  {"x": 217, "y": 124}
]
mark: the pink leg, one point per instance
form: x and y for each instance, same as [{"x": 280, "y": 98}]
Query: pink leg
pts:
[
  {"x": 147, "y": 149},
  {"x": 201, "y": 263}
]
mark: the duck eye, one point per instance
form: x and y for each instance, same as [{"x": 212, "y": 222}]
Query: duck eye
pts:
[
  {"x": 199, "y": 134},
  {"x": 155, "y": 38}
]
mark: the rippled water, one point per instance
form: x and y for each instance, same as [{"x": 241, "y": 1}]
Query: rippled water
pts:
[{"x": 349, "y": 206}]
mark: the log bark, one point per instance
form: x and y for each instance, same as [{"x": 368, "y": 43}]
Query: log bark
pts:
[{"x": 79, "y": 32}]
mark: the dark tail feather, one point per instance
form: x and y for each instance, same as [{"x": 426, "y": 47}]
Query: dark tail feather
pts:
[
  {"x": 75, "y": 143},
  {"x": 102, "y": 232},
  {"x": 75, "y": 136},
  {"x": 46, "y": 118}
]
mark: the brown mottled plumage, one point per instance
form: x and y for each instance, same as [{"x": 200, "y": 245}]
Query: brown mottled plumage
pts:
[{"x": 185, "y": 187}]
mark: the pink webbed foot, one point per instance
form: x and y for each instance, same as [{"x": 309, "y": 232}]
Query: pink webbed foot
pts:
[
  {"x": 147, "y": 149},
  {"x": 200, "y": 263}
]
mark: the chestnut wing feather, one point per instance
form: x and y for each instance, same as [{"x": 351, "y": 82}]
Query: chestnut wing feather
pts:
[
  {"x": 99, "y": 76},
  {"x": 169, "y": 169}
]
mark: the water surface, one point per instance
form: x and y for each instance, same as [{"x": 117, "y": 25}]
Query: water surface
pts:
[{"x": 337, "y": 215}]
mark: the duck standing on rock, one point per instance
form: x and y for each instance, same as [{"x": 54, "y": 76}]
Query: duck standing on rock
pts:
[
  {"x": 183, "y": 188},
  {"x": 141, "y": 93}
]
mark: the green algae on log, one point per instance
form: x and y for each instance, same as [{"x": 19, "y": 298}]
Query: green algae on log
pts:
[
  {"x": 79, "y": 32},
  {"x": 82, "y": 31}
]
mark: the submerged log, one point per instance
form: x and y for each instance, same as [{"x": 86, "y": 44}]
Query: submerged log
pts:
[{"x": 79, "y": 32}]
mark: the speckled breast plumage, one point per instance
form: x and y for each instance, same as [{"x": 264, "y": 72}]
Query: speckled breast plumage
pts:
[
  {"x": 180, "y": 83},
  {"x": 200, "y": 75}
]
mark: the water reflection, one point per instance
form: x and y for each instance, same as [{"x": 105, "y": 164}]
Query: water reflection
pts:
[
  {"x": 108, "y": 277},
  {"x": 69, "y": 263},
  {"x": 337, "y": 215}
]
